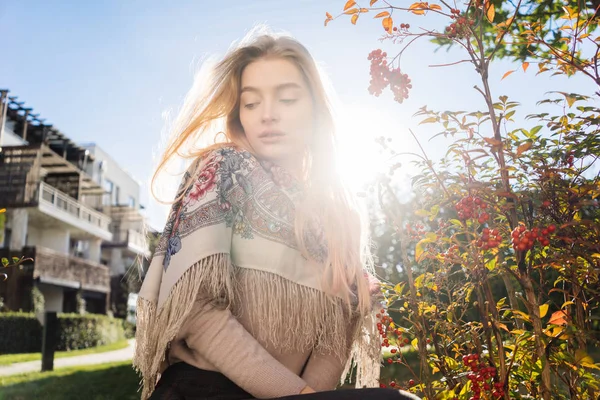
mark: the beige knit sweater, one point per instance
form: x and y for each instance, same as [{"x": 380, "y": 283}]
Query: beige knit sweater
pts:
[{"x": 213, "y": 339}]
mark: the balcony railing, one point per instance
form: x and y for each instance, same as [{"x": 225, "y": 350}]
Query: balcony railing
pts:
[
  {"x": 57, "y": 268},
  {"x": 57, "y": 199},
  {"x": 130, "y": 238},
  {"x": 50, "y": 267}
]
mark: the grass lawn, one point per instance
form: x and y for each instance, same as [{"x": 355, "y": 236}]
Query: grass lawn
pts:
[
  {"x": 8, "y": 359},
  {"x": 110, "y": 381}
]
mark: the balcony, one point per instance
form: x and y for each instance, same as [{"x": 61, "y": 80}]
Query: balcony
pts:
[
  {"x": 53, "y": 268},
  {"x": 130, "y": 239},
  {"x": 54, "y": 203},
  {"x": 68, "y": 271}
]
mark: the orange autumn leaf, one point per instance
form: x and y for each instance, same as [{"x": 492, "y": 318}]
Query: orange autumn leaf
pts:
[
  {"x": 558, "y": 318},
  {"x": 525, "y": 66},
  {"x": 349, "y": 4},
  {"x": 523, "y": 148},
  {"x": 435, "y": 7},
  {"x": 387, "y": 24},
  {"x": 353, "y": 19},
  {"x": 372, "y": 2},
  {"x": 490, "y": 10},
  {"x": 507, "y": 74},
  {"x": 493, "y": 142},
  {"x": 382, "y": 14},
  {"x": 351, "y": 11},
  {"x": 329, "y": 16},
  {"x": 418, "y": 8}
]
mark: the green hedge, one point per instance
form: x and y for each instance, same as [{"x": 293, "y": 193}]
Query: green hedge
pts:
[
  {"x": 22, "y": 333},
  {"x": 129, "y": 329}
]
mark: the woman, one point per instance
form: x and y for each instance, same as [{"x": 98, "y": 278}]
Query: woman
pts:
[{"x": 260, "y": 285}]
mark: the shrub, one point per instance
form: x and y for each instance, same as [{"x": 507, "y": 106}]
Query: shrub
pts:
[{"x": 22, "y": 332}]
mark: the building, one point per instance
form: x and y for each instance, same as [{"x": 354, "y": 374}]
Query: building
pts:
[
  {"x": 121, "y": 202},
  {"x": 70, "y": 208}
]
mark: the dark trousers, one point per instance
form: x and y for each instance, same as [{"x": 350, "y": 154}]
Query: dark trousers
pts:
[{"x": 185, "y": 382}]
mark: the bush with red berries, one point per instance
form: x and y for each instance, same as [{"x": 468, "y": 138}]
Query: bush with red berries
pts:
[{"x": 494, "y": 266}]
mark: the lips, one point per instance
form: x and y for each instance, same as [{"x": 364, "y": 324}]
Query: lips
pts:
[{"x": 271, "y": 135}]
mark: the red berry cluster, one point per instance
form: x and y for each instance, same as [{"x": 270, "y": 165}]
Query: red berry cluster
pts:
[
  {"x": 524, "y": 239},
  {"x": 451, "y": 253},
  {"x": 569, "y": 159},
  {"x": 402, "y": 26},
  {"x": 382, "y": 76},
  {"x": 383, "y": 323},
  {"x": 472, "y": 207},
  {"x": 459, "y": 28},
  {"x": 417, "y": 232},
  {"x": 490, "y": 238},
  {"x": 481, "y": 377}
]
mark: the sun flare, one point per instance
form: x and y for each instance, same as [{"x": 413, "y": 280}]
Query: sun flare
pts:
[{"x": 362, "y": 158}]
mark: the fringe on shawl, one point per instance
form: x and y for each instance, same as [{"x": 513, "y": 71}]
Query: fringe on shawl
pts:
[
  {"x": 290, "y": 316},
  {"x": 365, "y": 354},
  {"x": 213, "y": 277}
]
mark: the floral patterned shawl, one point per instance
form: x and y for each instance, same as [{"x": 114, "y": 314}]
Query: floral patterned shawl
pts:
[{"x": 231, "y": 238}]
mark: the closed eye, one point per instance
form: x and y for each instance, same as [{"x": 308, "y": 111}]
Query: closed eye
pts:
[
  {"x": 251, "y": 106},
  {"x": 288, "y": 101}
]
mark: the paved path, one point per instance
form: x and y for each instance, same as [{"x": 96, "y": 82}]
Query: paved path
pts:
[{"x": 99, "y": 358}]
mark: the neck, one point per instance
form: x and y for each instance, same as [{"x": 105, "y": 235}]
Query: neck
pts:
[{"x": 293, "y": 166}]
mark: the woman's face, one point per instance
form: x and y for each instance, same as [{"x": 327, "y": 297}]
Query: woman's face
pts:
[{"x": 276, "y": 111}]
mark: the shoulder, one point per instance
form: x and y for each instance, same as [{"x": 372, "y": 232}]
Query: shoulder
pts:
[
  {"x": 225, "y": 159},
  {"x": 221, "y": 170}
]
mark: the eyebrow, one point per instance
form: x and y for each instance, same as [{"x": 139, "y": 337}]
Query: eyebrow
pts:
[{"x": 277, "y": 88}]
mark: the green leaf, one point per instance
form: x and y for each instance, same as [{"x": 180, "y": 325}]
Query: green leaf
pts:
[
  {"x": 399, "y": 287},
  {"x": 537, "y": 369},
  {"x": 465, "y": 390},
  {"x": 535, "y": 130},
  {"x": 491, "y": 264},
  {"x": 419, "y": 248},
  {"x": 5, "y": 261},
  {"x": 582, "y": 357},
  {"x": 15, "y": 260},
  {"x": 456, "y": 222}
]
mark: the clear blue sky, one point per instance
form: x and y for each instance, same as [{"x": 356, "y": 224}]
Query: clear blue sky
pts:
[{"x": 106, "y": 71}]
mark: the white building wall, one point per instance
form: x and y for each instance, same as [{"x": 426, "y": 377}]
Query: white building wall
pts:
[
  {"x": 9, "y": 138},
  {"x": 19, "y": 221},
  {"x": 117, "y": 262},
  {"x": 111, "y": 171},
  {"x": 54, "y": 239},
  {"x": 94, "y": 250},
  {"x": 53, "y": 297}
]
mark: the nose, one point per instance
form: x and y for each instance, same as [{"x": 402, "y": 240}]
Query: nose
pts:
[{"x": 270, "y": 112}]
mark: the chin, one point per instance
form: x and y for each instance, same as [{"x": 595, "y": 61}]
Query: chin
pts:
[{"x": 276, "y": 154}]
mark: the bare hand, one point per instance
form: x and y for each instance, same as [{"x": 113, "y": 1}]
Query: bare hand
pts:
[{"x": 306, "y": 390}]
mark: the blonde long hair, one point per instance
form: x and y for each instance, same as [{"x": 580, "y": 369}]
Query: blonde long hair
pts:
[{"x": 211, "y": 111}]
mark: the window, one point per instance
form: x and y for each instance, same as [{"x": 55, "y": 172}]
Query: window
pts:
[
  {"x": 131, "y": 202},
  {"x": 117, "y": 192},
  {"x": 108, "y": 188}
]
